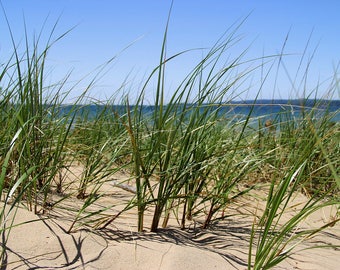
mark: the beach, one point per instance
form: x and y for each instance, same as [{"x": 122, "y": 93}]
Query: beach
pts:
[
  {"x": 42, "y": 241},
  {"x": 210, "y": 173}
]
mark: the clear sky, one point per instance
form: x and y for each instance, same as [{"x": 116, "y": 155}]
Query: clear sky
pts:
[{"x": 103, "y": 28}]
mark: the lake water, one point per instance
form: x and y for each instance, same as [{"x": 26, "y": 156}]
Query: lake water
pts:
[{"x": 238, "y": 110}]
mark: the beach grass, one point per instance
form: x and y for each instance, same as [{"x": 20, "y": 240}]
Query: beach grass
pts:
[{"x": 187, "y": 157}]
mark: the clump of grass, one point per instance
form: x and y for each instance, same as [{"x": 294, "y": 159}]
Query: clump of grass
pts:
[
  {"x": 273, "y": 240},
  {"x": 32, "y": 149},
  {"x": 29, "y": 108},
  {"x": 304, "y": 160},
  {"x": 173, "y": 145}
]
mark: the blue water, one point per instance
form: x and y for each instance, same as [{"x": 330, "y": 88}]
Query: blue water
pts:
[
  {"x": 234, "y": 110},
  {"x": 295, "y": 108}
]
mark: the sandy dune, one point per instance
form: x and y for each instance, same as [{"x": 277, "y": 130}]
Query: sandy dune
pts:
[{"x": 44, "y": 244}]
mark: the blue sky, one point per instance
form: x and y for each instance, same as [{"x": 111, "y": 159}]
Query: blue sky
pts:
[{"x": 103, "y": 28}]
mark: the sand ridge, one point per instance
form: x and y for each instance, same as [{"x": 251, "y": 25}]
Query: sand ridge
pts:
[{"x": 45, "y": 243}]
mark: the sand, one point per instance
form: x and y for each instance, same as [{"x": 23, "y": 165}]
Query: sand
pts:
[{"x": 45, "y": 243}]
